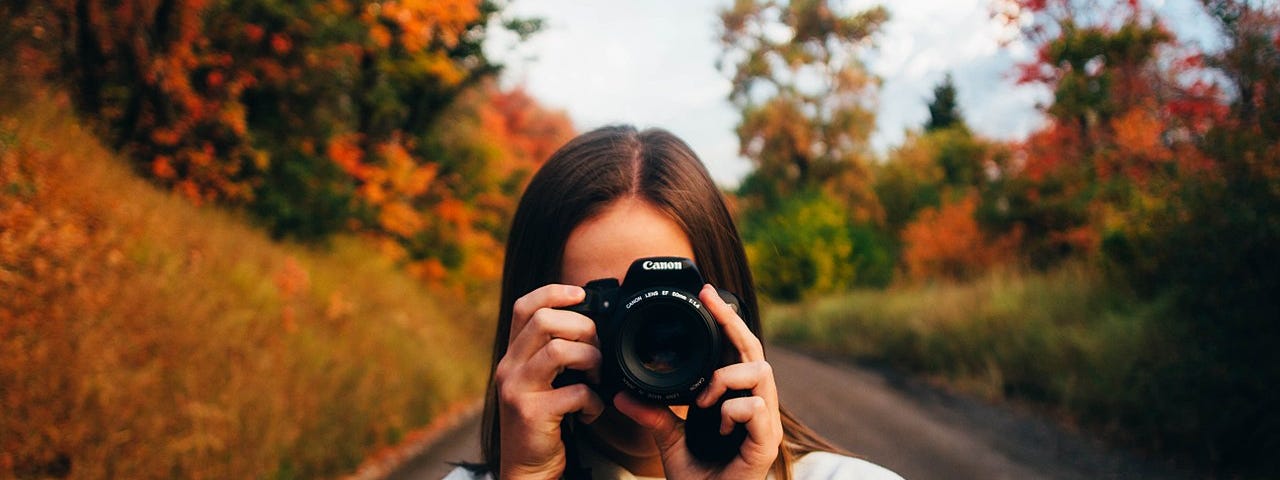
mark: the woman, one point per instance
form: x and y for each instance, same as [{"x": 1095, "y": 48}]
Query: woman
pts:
[{"x": 606, "y": 198}]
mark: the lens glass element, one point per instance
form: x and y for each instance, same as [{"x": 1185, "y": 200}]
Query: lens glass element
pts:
[
  {"x": 668, "y": 338},
  {"x": 665, "y": 341}
]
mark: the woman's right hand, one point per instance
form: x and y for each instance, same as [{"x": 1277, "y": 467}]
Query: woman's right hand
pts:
[{"x": 543, "y": 343}]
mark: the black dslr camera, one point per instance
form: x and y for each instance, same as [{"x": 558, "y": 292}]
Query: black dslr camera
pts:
[{"x": 661, "y": 344}]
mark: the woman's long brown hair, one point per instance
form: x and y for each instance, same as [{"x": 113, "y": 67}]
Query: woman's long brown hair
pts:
[{"x": 584, "y": 176}]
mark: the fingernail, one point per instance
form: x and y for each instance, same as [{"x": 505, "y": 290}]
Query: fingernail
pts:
[
  {"x": 574, "y": 291},
  {"x": 715, "y": 295}
]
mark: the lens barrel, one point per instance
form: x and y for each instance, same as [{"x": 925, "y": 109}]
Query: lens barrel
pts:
[{"x": 668, "y": 345}]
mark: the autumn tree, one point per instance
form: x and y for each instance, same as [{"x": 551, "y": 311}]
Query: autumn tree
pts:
[
  {"x": 807, "y": 105},
  {"x": 316, "y": 116},
  {"x": 1209, "y": 248},
  {"x": 488, "y": 144},
  {"x": 1119, "y": 124},
  {"x": 806, "y": 99},
  {"x": 1165, "y": 158}
]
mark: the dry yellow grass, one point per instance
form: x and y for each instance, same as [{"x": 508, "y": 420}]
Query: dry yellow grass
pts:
[{"x": 143, "y": 337}]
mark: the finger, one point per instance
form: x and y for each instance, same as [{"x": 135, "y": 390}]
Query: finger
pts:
[
  {"x": 754, "y": 413},
  {"x": 755, "y": 377},
  {"x": 549, "y": 323},
  {"x": 658, "y": 419},
  {"x": 573, "y": 398},
  {"x": 547, "y": 296},
  {"x": 734, "y": 328},
  {"x": 559, "y": 354}
]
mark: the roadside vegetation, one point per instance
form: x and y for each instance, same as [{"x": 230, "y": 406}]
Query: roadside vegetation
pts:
[
  {"x": 145, "y": 337},
  {"x": 1066, "y": 341}
]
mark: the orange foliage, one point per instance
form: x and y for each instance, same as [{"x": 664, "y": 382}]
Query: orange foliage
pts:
[
  {"x": 345, "y": 151},
  {"x": 430, "y": 28},
  {"x": 178, "y": 112},
  {"x": 399, "y": 219},
  {"x": 525, "y": 131},
  {"x": 514, "y": 133},
  {"x": 1138, "y": 133},
  {"x": 520, "y": 134},
  {"x": 424, "y": 21},
  {"x": 1139, "y": 146},
  {"x": 404, "y": 175},
  {"x": 217, "y": 104},
  {"x": 947, "y": 243}
]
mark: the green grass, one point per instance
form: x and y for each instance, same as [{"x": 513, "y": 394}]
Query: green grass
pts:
[{"x": 1066, "y": 339}]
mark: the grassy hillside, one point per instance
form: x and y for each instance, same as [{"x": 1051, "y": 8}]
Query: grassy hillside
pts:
[{"x": 144, "y": 337}]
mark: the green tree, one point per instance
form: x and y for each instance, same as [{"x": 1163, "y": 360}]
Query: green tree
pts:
[
  {"x": 944, "y": 111},
  {"x": 909, "y": 180}
]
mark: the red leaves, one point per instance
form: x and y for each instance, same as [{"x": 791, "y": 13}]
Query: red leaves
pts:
[
  {"x": 280, "y": 43},
  {"x": 254, "y": 32},
  {"x": 162, "y": 168},
  {"x": 1049, "y": 149},
  {"x": 1040, "y": 71}
]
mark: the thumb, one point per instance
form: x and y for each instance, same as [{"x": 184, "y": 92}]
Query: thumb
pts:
[{"x": 667, "y": 429}]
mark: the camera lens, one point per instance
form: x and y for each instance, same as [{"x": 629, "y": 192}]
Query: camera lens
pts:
[
  {"x": 667, "y": 347},
  {"x": 666, "y": 340}
]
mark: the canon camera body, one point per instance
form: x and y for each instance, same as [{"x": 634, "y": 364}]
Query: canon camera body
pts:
[{"x": 659, "y": 342}]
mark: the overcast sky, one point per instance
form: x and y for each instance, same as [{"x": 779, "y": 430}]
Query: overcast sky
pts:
[{"x": 652, "y": 63}]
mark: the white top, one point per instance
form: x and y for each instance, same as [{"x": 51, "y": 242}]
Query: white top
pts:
[{"x": 811, "y": 466}]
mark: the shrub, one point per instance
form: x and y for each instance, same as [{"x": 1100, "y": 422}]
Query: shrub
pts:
[{"x": 809, "y": 244}]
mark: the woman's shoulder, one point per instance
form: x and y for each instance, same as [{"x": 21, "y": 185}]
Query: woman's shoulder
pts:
[{"x": 833, "y": 466}]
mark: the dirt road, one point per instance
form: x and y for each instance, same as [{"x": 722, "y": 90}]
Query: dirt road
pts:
[{"x": 911, "y": 428}]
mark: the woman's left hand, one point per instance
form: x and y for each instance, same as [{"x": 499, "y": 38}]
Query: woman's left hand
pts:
[{"x": 759, "y": 411}]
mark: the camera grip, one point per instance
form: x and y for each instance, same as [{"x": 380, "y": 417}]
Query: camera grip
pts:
[{"x": 702, "y": 432}]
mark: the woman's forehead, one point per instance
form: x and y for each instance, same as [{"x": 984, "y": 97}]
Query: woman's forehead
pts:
[{"x": 604, "y": 245}]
